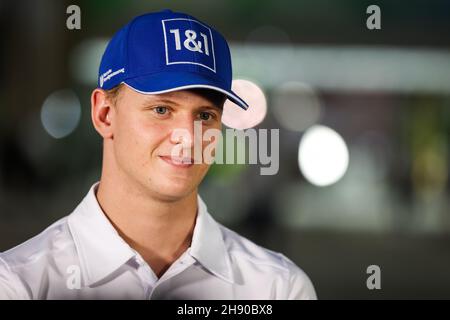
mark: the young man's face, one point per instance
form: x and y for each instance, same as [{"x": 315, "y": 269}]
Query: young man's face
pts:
[{"x": 144, "y": 141}]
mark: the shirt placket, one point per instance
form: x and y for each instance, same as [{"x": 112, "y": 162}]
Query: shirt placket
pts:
[{"x": 184, "y": 262}]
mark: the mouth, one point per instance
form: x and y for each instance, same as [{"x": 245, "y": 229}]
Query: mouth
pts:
[{"x": 178, "y": 162}]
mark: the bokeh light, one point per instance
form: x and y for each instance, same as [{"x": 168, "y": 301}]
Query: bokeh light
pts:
[
  {"x": 238, "y": 118},
  {"x": 323, "y": 156},
  {"x": 60, "y": 113},
  {"x": 85, "y": 60},
  {"x": 296, "y": 106}
]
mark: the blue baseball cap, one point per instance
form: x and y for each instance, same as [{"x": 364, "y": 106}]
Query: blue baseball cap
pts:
[{"x": 168, "y": 51}]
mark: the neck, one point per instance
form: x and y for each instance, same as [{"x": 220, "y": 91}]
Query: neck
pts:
[{"x": 160, "y": 231}]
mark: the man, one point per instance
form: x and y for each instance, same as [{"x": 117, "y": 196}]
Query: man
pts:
[{"x": 143, "y": 232}]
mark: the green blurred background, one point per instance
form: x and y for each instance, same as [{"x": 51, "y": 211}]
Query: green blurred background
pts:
[{"x": 385, "y": 92}]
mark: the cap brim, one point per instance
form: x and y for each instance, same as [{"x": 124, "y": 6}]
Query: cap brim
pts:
[{"x": 161, "y": 83}]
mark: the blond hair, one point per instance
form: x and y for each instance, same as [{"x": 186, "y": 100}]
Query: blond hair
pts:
[{"x": 113, "y": 94}]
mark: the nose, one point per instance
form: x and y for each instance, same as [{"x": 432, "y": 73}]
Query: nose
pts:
[{"x": 183, "y": 132}]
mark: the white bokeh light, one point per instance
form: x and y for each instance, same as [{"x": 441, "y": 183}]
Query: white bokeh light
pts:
[
  {"x": 323, "y": 156},
  {"x": 60, "y": 113}
]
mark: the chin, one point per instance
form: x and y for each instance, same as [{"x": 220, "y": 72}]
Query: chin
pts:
[{"x": 173, "y": 190}]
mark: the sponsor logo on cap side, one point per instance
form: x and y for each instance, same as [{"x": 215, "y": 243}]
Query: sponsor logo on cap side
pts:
[{"x": 109, "y": 74}]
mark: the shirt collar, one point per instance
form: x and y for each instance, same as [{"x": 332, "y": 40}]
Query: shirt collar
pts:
[
  {"x": 208, "y": 246},
  {"x": 102, "y": 251}
]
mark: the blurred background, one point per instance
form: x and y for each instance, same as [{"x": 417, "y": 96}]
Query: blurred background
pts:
[{"x": 363, "y": 118}]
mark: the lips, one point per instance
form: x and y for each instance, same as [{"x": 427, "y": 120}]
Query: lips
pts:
[{"x": 178, "y": 161}]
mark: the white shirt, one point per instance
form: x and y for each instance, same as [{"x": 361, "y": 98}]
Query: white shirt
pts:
[{"x": 82, "y": 256}]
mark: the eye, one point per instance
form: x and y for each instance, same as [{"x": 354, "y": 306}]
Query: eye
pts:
[
  {"x": 205, "y": 116},
  {"x": 160, "y": 110}
]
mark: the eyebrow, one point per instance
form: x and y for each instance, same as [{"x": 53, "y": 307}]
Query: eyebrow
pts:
[
  {"x": 163, "y": 100},
  {"x": 212, "y": 107},
  {"x": 169, "y": 101}
]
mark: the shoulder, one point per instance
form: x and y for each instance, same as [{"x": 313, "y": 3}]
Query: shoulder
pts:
[
  {"x": 252, "y": 258},
  {"x": 36, "y": 258},
  {"x": 44, "y": 245},
  {"x": 10, "y": 284}
]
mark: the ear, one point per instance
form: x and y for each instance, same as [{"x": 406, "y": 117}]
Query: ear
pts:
[{"x": 101, "y": 113}]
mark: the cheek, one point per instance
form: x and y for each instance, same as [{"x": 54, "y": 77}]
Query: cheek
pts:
[{"x": 137, "y": 138}]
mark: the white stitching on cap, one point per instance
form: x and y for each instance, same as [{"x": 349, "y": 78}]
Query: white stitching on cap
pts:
[{"x": 192, "y": 86}]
